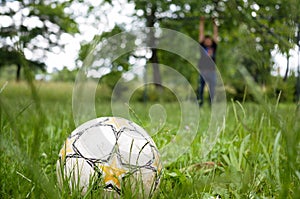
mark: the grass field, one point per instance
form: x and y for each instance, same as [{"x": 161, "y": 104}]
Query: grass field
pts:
[{"x": 256, "y": 156}]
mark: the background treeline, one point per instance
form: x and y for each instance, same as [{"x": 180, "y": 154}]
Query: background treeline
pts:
[{"x": 249, "y": 31}]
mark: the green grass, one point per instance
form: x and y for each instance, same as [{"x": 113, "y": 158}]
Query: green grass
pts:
[{"x": 256, "y": 156}]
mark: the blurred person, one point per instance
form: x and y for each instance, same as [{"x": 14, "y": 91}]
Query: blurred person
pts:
[{"x": 207, "y": 61}]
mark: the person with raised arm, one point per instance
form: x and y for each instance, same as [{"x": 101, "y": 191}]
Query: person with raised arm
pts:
[{"x": 207, "y": 61}]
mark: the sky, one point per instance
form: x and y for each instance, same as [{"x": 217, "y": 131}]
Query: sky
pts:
[
  {"x": 281, "y": 61},
  {"x": 119, "y": 13}
]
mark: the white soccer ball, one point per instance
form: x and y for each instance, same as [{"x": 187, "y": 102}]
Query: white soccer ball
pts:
[{"x": 110, "y": 151}]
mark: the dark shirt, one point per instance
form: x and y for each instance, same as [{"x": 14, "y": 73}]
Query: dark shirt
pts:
[
  {"x": 208, "y": 57},
  {"x": 212, "y": 48}
]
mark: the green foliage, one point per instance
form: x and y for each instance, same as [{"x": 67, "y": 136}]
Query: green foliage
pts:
[
  {"x": 283, "y": 90},
  {"x": 64, "y": 75},
  {"x": 248, "y": 31},
  {"x": 50, "y": 22},
  {"x": 13, "y": 57},
  {"x": 111, "y": 79},
  {"x": 54, "y": 12},
  {"x": 97, "y": 58},
  {"x": 88, "y": 47},
  {"x": 8, "y": 73}
]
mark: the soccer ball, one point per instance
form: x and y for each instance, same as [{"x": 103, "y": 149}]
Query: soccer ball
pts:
[{"x": 109, "y": 152}]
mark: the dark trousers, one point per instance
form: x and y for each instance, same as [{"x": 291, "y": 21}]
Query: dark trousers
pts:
[{"x": 206, "y": 77}]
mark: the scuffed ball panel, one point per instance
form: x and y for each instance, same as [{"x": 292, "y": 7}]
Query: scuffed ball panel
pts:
[
  {"x": 143, "y": 182},
  {"x": 96, "y": 150},
  {"x": 111, "y": 149},
  {"x": 77, "y": 172},
  {"x": 137, "y": 152},
  {"x": 82, "y": 128}
]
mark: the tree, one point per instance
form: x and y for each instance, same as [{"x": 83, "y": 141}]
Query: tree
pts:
[
  {"x": 268, "y": 25},
  {"x": 249, "y": 31},
  {"x": 99, "y": 61},
  {"x": 169, "y": 14},
  {"x": 271, "y": 25},
  {"x": 32, "y": 27},
  {"x": 152, "y": 13},
  {"x": 65, "y": 75}
]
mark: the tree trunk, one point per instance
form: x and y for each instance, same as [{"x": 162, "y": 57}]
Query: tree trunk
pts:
[
  {"x": 298, "y": 71},
  {"x": 18, "y": 75},
  {"x": 287, "y": 68},
  {"x": 155, "y": 65},
  {"x": 152, "y": 42}
]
